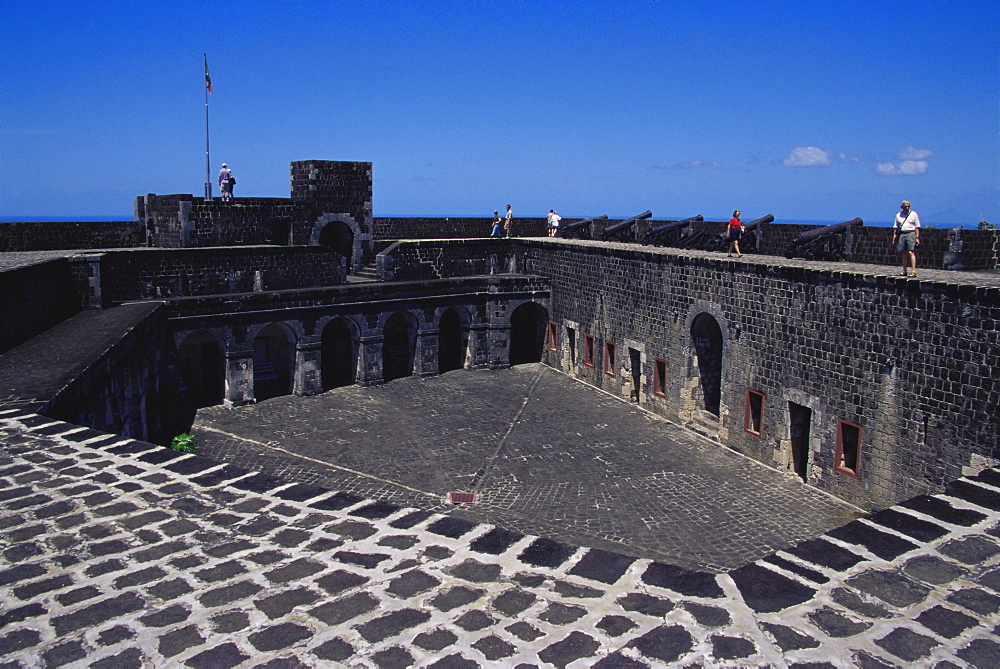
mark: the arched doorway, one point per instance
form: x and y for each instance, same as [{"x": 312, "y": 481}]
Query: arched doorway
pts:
[
  {"x": 706, "y": 339},
  {"x": 339, "y": 237},
  {"x": 339, "y": 355},
  {"x": 203, "y": 369},
  {"x": 399, "y": 344},
  {"x": 453, "y": 340},
  {"x": 273, "y": 361},
  {"x": 527, "y": 333}
]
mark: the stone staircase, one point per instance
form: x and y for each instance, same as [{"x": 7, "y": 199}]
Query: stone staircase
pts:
[{"x": 366, "y": 272}]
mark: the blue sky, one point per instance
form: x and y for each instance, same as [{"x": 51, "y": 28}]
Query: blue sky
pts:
[{"x": 805, "y": 110}]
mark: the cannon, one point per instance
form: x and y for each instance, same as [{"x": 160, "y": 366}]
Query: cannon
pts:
[
  {"x": 823, "y": 243},
  {"x": 619, "y": 231},
  {"x": 669, "y": 233},
  {"x": 718, "y": 241},
  {"x": 580, "y": 229}
]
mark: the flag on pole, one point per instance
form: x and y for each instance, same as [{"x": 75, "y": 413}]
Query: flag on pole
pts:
[{"x": 208, "y": 78}]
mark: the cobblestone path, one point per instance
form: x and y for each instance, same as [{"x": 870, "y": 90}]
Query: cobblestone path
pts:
[
  {"x": 117, "y": 554},
  {"x": 545, "y": 454}
]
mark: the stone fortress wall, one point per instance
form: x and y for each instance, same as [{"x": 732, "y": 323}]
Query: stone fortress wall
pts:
[
  {"x": 907, "y": 368},
  {"x": 870, "y": 387}
]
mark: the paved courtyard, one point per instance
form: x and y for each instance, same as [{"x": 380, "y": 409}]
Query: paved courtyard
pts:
[{"x": 545, "y": 455}]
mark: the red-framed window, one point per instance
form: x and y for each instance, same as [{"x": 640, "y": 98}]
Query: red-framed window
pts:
[
  {"x": 588, "y": 350},
  {"x": 609, "y": 358},
  {"x": 659, "y": 377},
  {"x": 848, "y": 457},
  {"x": 553, "y": 339},
  {"x": 753, "y": 415}
]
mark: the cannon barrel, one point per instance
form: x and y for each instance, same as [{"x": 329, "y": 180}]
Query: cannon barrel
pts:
[
  {"x": 659, "y": 234},
  {"x": 671, "y": 225},
  {"x": 816, "y": 233},
  {"x": 754, "y": 224},
  {"x": 618, "y": 228},
  {"x": 578, "y": 226}
]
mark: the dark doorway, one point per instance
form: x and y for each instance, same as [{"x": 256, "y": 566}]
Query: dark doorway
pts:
[
  {"x": 452, "y": 341},
  {"x": 527, "y": 333},
  {"x": 635, "y": 364},
  {"x": 339, "y": 357},
  {"x": 339, "y": 237},
  {"x": 273, "y": 361},
  {"x": 203, "y": 369},
  {"x": 707, "y": 340},
  {"x": 399, "y": 340},
  {"x": 799, "y": 427}
]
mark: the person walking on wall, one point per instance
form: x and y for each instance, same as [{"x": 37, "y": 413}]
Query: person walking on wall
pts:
[
  {"x": 906, "y": 237},
  {"x": 554, "y": 219},
  {"x": 735, "y": 232},
  {"x": 508, "y": 225},
  {"x": 496, "y": 225},
  {"x": 226, "y": 183}
]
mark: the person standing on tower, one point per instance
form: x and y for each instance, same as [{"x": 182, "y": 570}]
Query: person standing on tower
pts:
[
  {"x": 906, "y": 237},
  {"x": 508, "y": 225},
  {"x": 226, "y": 182}
]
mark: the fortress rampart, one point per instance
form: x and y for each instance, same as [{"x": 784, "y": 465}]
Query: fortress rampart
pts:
[
  {"x": 909, "y": 368},
  {"x": 871, "y": 387}
]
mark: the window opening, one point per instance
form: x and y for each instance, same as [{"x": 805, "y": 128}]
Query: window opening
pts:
[
  {"x": 848, "y": 447},
  {"x": 609, "y": 358},
  {"x": 753, "y": 419},
  {"x": 553, "y": 336},
  {"x": 588, "y": 350},
  {"x": 571, "y": 343},
  {"x": 659, "y": 377}
]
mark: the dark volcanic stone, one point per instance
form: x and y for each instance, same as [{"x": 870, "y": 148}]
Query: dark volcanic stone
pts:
[
  {"x": 889, "y": 586},
  {"x": 616, "y": 625},
  {"x": 598, "y": 565},
  {"x": 224, "y": 656},
  {"x": 560, "y": 614},
  {"x": 708, "y": 616},
  {"x": 836, "y": 624},
  {"x": 932, "y": 569},
  {"x": 574, "y": 647},
  {"x": 645, "y": 604},
  {"x": 886, "y": 546},
  {"x": 546, "y": 553},
  {"x": 766, "y": 591},
  {"x": 683, "y": 581},
  {"x": 474, "y": 620},
  {"x": 279, "y": 636},
  {"x": 513, "y": 601},
  {"x": 946, "y": 622},
  {"x": 455, "y": 597},
  {"x": 907, "y": 644},
  {"x": 476, "y": 572},
  {"x": 436, "y": 640},
  {"x": 496, "y": 541},
  {"x": 666, "y": 644},
  {"x": 971, "y": 550},
  {"x": 391, "y": 624},
  {"x": 334, "y": 650},
  {"x": 977, "y": 600},
  {"x": 981, "y": 653},
  {"x": 346, "y": 608},
  {"x": 732, "y": 647},
  {"x": 788, "y": 638}
]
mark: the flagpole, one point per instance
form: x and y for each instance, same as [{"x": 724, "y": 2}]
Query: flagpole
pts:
[{"x": 208, "y": 162}]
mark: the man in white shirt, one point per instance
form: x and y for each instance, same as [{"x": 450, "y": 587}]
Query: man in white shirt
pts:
[
  {"x": 508, "y": 225},
  {"x": 906, "y": 237}
]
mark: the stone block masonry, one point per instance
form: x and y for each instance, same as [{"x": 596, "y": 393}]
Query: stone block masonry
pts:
[
  {"x": 142, "y": 274},
  {"x": 121, "y": 554},
  {"x": 893, "y": 381}
]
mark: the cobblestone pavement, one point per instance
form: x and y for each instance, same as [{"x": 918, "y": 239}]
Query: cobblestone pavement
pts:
[
  {"x": 117, "y": 554},
  {"x": 545, "y": 454}
]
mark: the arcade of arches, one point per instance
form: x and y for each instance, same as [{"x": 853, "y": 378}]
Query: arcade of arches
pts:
[{"x": 214, "y": 369}]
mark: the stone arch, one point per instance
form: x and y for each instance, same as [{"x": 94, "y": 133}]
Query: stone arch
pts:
[
  {"x": 453, "y": 339},
  {"x": 339, "y": 237},
  {"x": 273, "y": 361},
  {"x": 399, "y": 345},
  {"x": 527, "y": 333},
  {"x": 343, "y": 226},
  {"x": 706, "y": 344},
  {"x": 339, "y": 353},
  {"x": 202, "y": 363}
]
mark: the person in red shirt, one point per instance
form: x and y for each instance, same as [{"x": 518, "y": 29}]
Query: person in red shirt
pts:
[{"x": 735, "y": 232}]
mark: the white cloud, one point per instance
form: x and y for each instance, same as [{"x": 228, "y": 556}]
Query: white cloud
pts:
[
  {"x": 854, "y": 160},
  {"x": 913, "y": 153},
  {"x": 912, "y": 161},
  {"x": 807, "y": 156}
]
